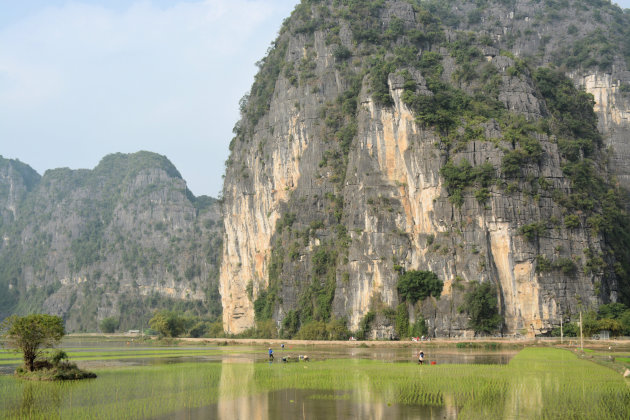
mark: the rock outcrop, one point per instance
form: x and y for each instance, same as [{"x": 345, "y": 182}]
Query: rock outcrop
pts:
[
  {"x": 383, "y": 137},
  {"x": 120, "y": 241}
]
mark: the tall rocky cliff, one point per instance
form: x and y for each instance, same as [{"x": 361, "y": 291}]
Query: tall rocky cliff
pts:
[
  {"x": 119, "y": 241},
  {"x": 485, "y": 141}
]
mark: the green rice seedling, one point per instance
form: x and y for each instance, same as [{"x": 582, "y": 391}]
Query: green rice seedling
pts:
[
  {"x": 121, "y": 355},
  {"x": 332, "y": 397},
  {"x": 537, "y": 383}
]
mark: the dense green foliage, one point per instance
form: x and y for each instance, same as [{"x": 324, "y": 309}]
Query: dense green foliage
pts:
[
  {"x": 404, "y": 328},
  {"x": 526, "y": 149},
  {"x": 167, "y": 323},
  {"x": 417, "y": 285},
  {"x": 31, "y": 334},
  {"x": 532, "y": 231},
  {"x": 316, "y": 302},
  {"x": 459, "y": 177},
  {"x": 571, "y": 109},
  {"x": 365, "y": 325},
  {"x": 56, "y": 367},
  {"x": 401, "y": 325},
  {"x": 319, "y": 330},
  {"x": 565, "y": 265},
  {"x": 482, "y": 306},
  {"x": 447, "y": 107},
  {"x": 109, "y": 324},
  {"x": 613, "y": 317},
  {"x": 174, "y": 324},
  {"x": 135, "y": 311}
]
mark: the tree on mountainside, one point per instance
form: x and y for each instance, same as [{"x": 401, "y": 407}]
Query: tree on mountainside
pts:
[
  {"x": 482, "y": 305},
  {"x": 417, "y": 285}
]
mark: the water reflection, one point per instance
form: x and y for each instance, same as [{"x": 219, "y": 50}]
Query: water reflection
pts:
[
  {"x": 240, "y": 390},
  {"x": 525, "y": 398},
  {"x": 241, "y": 398},
  {"x": 238, "y": 397},
  {"x": 312, "y": 404}
]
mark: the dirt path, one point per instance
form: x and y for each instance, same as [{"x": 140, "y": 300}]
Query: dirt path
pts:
[{"x": 619, "y": 345}]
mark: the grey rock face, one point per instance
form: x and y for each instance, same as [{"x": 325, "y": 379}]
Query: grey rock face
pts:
[
  {"x": 120, "y": 240},
  {"x": 292, "y": 193},
  {"x": 16, "y": 180}
]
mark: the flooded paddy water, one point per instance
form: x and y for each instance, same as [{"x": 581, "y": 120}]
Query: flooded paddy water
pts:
[
  {"x": 94, "y": 354},
  {"x": 137, "y": 380}
]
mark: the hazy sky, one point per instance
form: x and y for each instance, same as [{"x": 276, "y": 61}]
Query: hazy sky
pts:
[
  {"x": 84, "y": 78},
  {"x": 81, "y": 79}
]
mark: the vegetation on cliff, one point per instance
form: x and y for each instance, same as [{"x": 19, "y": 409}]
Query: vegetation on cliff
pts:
[
  {"x": 613, "y": 317},
  {"x": 118, "y": 241},
  {"x": 416, "y": 285},
  {"x": 482, "y": 306},
  {"x": 453, "y": 68}
]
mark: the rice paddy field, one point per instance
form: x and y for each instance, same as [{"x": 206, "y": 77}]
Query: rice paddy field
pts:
[{"x": 238, "y": 383}]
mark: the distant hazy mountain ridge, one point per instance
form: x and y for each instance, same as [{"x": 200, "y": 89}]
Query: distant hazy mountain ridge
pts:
[{"x": 119, "y": 240}]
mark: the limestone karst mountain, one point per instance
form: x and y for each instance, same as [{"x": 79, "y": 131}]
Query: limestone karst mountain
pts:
[
  {"x": 485, "y": 141},
  {"x": 119, "y": 241}
]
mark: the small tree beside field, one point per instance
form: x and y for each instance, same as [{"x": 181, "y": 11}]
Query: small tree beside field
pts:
[{"x": 31, "y": 335}]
